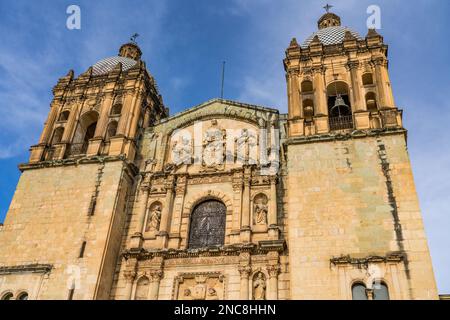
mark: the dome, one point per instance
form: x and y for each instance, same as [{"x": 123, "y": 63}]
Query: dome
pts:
[
  {"x": 331, "y": 35},
  {"x": 105, "y": 66}
]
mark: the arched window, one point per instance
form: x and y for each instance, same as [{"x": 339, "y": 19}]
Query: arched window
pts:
[
  {"x": 112, "y": 130},
  {"x": 307, "y": 86},
  {"x": 142, "y": 287},
  {"x": 367, "y": 79},
  {"x": 380, "y": 291},
  {"x": 371, "y": 102},
  {"x": 359, "y": 291},
  {"x": 57, "y": 135},
  {"x": 7, "y": 296},
  {"x": 116, "y": 110},
  {"x": 64, "y": 116},
  {"x": 207, "y": 226},
  {"x": 85, "y": 131},
  {"x": 22, "y": 296}
]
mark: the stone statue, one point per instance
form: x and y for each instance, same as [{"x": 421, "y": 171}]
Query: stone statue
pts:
[
  {"x": 154, "y": 218},
  {"x": 260, "y": 209},
  {"x": 182, "y": 152},
  {"x": 259, "y": 287},
  {"x": 213, "y": 146}
]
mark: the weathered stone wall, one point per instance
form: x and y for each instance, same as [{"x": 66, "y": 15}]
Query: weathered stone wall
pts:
[
  {"x": 48, "y": 221},
  {"x": 355, "y": 198}
]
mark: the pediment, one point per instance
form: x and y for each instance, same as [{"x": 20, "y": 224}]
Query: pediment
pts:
[{"x": 219, "y": 108}]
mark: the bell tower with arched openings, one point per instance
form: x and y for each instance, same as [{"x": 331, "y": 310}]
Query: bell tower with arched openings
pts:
[
  {"x": 354, "y": 217},
  {"x": 338, "y": 81},
  {"x": 102, "y": 112}
]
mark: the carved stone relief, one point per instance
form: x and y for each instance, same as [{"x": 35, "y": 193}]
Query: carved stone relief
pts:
[{"x": 201, "y": 286}]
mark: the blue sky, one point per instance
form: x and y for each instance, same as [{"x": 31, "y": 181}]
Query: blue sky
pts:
[{"x": 184, "y": 43}]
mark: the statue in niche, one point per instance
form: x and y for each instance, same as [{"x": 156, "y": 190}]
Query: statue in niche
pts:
[
  {"x": 182, "y": 152},
  {"x": 213, "y": 146},
  {"x": 260, "y": 209},
  {"x": 154, "y": 217},
  {"x": 259, "y": 287}
]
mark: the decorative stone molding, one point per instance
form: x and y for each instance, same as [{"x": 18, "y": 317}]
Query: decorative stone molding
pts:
[
  {"x": 210, "y": 194},
  {"x": 273, "y": 270},
  {"x": 27, "y": 268},
  {"x": 364, "y": 262}
]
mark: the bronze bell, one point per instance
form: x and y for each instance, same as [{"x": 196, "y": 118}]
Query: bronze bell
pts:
[{"x": 339, "y": 108}]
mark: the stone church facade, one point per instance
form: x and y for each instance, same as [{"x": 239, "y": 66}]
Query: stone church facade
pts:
[{"x": 225, "y": 200}]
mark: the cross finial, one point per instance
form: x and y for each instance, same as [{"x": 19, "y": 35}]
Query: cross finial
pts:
[
  {"x": 133, "y": 37},
  {"x": 327, "y": 8}
]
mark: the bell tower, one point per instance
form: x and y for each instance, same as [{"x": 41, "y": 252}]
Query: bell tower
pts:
[
  {"x": 102, "y": 112},
  {"x": 68, "y": 216},
  {"x": 355, "y": 226},
  {"x": 338, "y": 80}
]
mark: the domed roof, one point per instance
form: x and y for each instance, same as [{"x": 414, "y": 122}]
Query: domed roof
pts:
[
  {"x": 105, "y": 66},
  {"x": 331, "y": 35}
]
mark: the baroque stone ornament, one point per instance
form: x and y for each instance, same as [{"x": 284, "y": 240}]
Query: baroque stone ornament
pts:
[{"x": 199, "y": 286}]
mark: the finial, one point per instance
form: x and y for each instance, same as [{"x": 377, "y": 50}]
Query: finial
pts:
[
  {"x": 133, "y": 37},
  {"x": 328, "y": 7}
]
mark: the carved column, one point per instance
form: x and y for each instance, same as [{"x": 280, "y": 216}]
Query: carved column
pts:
[
  {"x": 245, "y": 218},
  {"x": 237, "y": 207},
  {"x": 295, "y": 104},
  {"x": 178, "y": 206},
  {"x": 128, "y": 104},
  {"x": 167, "y": 212},
  {"x": 273, "y": 210},
  {"x": 70, "y": 124},
  {"x": 143, "y": 199},
  {"x": 245, "y": 272},
  {"x": 48, "y": 127},
  {"x": 130, "y": 276},
  {"x": 155, "y": 279},
  {"x": 358, "y": 104},
  {"x": 381, "y": 83},
  {"x": 273, "y": 271},
  {"x": 104, "y": 115},
  {"x": 136, "y": 113},
  {"x": 320, "y": 101}
]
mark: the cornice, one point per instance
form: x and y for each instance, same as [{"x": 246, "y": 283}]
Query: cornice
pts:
[
  {"x": 263, "y": 247},
  {"x": 357, "y": 134},
  {"x": 28, "y": 268}
]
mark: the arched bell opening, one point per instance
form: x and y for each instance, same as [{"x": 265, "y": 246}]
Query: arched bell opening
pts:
[
  {"x": 339, "y": 107},
  {"x": 85, "y": 132}
]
